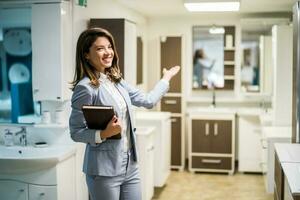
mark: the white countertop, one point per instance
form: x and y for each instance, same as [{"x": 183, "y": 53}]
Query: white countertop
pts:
[
  {"x": 288, "y": 152},
  {"x": 144, "y": 131},
  {"x": 152, "y": 115},
  {"x": 292, "y": 173}
]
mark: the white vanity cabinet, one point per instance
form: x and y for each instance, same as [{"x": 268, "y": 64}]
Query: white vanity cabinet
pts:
[
  {"x": 37, "y": 192},
  {"x": 145, "y": 144},
  {"x": 249, "y": 145},
  {"x": 52, "y": 68},
  {"x": 46, "y": 182},
  {"x": 211, "y": 142},
  {"x": 13, "y": 190},
  {"x": 162, "y": 142}
]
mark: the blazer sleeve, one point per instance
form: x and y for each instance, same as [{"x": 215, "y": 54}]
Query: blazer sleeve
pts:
[
  {"x": 147, "y": 100},
  {"x": 82, "y": 95}
]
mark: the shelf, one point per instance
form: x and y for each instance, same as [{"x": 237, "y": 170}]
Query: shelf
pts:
[
  {"x": 229, "y": 62},
  {"x": 64, "y": 126},
  {"x": 229, "y": 48},
  {"x": 226, "y": 77}
]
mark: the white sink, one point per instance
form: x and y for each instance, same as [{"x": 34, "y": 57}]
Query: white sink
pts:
[{"x": 17, "y": 159}]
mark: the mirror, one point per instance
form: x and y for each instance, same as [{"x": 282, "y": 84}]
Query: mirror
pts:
[
  {"x": 256, "y": 54},
  {"x": 208, "y": 57},
  {"x": 16, "y": 99}
]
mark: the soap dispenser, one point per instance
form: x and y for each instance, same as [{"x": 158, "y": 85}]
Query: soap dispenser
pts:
[{"x": 8, "y": 138}]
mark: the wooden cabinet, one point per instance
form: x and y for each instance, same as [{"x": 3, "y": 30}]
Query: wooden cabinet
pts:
[
  {"x": 124, "y": 33},
  {"x": 171, "y": 55},
  {"x": 229, "y": 58},
  {"x": 211, "y": 142},
  {"x": 52, "y": 68}
]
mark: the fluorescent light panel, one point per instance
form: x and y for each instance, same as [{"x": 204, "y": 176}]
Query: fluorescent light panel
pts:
[
  {"x": 212, "y": 6},
  {"x": 217, "y": 30}
]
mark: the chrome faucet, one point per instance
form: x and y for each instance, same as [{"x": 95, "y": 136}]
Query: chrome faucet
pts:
[{"x": 23, "y": 138}]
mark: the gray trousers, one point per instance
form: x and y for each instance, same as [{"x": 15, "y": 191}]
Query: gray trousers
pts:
[{"x": 126, "y": 186}]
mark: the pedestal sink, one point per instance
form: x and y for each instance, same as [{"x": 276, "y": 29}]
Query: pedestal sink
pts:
[{"x": 17, "y": 159}]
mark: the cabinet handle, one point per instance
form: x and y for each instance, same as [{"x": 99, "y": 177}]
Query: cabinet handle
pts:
[
  {"x": 171, "y": 102},
  {"x": 211, "y": 161},
  {"x": 206, "y": 128},
  {"x": 173, "y": 120},
  {"x": 35, "y": 91},
  {"x": 150, "y": 149},
  {"x": 21, "y": 190},
  {"x": 42, "y": 194},
  {"x": 215, "y": 129}
]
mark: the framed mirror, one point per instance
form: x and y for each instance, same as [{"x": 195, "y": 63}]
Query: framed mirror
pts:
[
  {"x": 256, "y": 54},
  {"x": 208, "y": 57},
  {"x": 16, "y": 99}
]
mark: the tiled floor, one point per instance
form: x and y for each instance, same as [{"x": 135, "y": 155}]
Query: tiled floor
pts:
[{"x": 206, "y": 186}]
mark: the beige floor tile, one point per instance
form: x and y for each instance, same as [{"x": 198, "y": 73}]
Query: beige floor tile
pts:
[{"x": 206, "y": 186}]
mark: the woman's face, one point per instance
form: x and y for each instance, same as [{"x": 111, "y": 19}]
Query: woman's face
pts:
[{"x": 100, "y": 54}]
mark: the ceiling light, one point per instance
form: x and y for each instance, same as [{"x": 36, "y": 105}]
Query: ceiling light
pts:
[
  {"x": 216, "y": 30},
  {"x": 212, "y": 5}
]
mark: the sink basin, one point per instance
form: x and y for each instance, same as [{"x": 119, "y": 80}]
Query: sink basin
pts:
[{"x": 17, "y": 159}]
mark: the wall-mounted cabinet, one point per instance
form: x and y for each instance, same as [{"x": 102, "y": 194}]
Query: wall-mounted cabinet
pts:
[
  {"x": 52, "y": 68},
  {"x": 124, "y": 33},
  {"x": 211, "y": 142},
  {"x": 171, "y": 55},
  {"x": 229, "y": 57}
]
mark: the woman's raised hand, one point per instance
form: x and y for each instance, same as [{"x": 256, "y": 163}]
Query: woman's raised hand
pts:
[{"x": 169, "y": 73}]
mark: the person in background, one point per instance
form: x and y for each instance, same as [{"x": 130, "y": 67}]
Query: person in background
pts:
[
  {"x": 110, "y": 165},
  {"x": 202, "y": 67}
]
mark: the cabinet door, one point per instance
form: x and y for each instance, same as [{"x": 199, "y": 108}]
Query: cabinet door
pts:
[
  {"x": 170, "y": 55},
  {"x": 51, "y": 51},
  {"x": 221, "y": 137},
  {"x": 202, "y": 131},
  {"x": 279, "y": 179},
  {"x": 176, "y": 147},
  {"x": 12, "y": 190},
  {"x": 42, "y": 192}
]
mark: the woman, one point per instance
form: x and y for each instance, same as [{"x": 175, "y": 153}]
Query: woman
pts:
[{"x": 110, "y": 165}]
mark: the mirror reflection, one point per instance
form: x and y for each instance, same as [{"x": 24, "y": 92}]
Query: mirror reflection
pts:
[
  {"x": 16, "y": 99},
  {"x": 256, "y": 54},
  {"x": 208, "y": 57}
]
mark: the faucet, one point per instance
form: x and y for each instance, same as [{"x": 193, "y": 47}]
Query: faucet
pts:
[
  {"x": 23, "y": 138},
  {"x": 213, "y": 103}
]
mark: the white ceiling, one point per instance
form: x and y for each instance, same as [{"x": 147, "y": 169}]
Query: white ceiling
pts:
[{"x": 157, "y": 8}]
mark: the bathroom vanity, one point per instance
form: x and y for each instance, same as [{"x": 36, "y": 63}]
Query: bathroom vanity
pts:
[
  {"x": 211, "y": 137},
  {"x": 30, "y": 173}
]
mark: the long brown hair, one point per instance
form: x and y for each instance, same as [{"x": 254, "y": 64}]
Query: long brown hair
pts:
[{"x": 84, "y": 68}]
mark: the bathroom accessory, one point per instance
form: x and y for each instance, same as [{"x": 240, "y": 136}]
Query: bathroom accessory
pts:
[
  {"x": 46, "y": 117},
  {"x": 23, "y": 138},
  {"x": 8, "y": 138}
]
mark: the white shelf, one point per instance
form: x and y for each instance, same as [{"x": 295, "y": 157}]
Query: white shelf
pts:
[
  {"x": 229, "y": 48},
  {"x": 228, "y": 77},
  {"x": 229, "y": 62},
  {"x": 52, "y": 125}
]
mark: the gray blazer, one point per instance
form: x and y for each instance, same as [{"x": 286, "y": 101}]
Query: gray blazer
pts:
[{"x": 105, "y": 159}]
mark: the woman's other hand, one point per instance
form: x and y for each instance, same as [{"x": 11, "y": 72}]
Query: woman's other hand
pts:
[
  {"x": 168, "y": 74},
  {"x": 112, "y": 128}
]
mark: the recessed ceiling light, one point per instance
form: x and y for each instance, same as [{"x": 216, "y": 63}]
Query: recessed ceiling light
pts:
[{"x": 212, "y": 5}]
